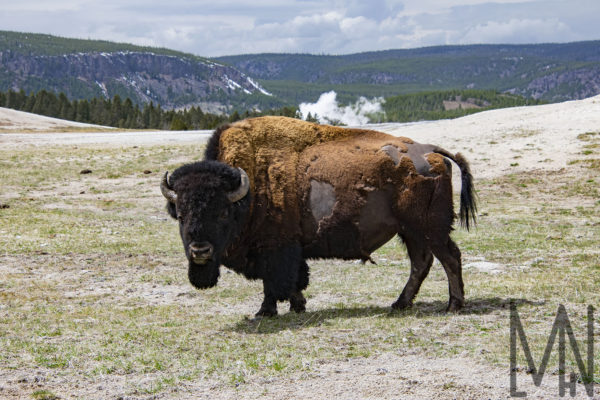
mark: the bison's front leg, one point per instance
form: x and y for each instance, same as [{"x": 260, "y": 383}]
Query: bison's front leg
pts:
[
  {"x": 268, "y": 307},
  {"x": 297, "y": 300},
  {"x": 280, "y": 273}
]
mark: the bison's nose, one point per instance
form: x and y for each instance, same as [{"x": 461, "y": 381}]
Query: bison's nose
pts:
[{"x": 201, "y": 252}]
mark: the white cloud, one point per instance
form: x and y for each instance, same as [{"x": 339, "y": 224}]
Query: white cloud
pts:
[
  {"x": 419, "y": 7},
  {"x": 210, "y": 28},
  {"x": 518, "y": 31},
  {"x": 358, "y": 27}
]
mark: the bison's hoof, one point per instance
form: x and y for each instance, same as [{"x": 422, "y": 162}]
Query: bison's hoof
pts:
[
  {"x": 299, "y": 308},
  {"x": 401, "y": 305},
  {"x": 266, "y": 313},
  {"x": 454, "y": 305},
  {"x": 297, "y": 303}
]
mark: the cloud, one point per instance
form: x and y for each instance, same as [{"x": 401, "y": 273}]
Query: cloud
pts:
[
  {"x": 210, "y": 28},
  {"x": 358, "y": 27},
  {"x": 376, "y": 10},
  {"x": 518, "y": 31}
]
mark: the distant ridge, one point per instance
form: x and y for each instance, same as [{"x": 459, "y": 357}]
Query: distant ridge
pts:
[
  {"x": 552, "y": 72},
  {"x": 94, "y": 68},
  {"x": 84, "y": 69}
]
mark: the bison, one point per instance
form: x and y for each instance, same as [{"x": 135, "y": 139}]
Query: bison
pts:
[{"x": 273, "y": 192}]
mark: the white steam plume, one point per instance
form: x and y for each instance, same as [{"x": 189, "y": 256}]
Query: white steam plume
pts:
[{"x": 328, "y": 111}]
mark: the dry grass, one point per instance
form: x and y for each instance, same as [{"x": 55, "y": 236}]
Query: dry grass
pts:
[{"x": 95, "y": 303}]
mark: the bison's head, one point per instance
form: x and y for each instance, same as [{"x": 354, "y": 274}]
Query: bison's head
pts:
[{"x": 211, "y": 201}]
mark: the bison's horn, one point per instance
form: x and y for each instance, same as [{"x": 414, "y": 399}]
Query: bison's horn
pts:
[
  {"x": 241, "y": 191},
  {"x": 166, "y": 189}
]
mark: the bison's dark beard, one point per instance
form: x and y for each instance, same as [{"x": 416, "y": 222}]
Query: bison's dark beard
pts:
[{"x": 203, "y": 276}]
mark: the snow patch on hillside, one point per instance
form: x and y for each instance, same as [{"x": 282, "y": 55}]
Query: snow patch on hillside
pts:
[
  {"x": 257, "y": 86},
  {"x": 233, "y": 85}
]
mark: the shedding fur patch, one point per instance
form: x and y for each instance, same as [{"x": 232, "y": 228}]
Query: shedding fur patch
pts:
[
  {"x": 437, "y": 163},
  {"x": 392, "y": 152},
  {"x": 322, "y": 199}
]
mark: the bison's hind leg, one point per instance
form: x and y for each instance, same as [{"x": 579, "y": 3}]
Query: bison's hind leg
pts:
[
  {"x": 450, "y": 257},
  {"x": 420, "y": 264}
]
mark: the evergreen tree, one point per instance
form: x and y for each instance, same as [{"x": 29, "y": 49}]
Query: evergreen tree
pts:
[
  {"x": 178, "y": 125},
  {"x": 83, "y": 111},
  {"x": 29, "y": 102},
  {"x": 234, "y": 117},
  {"x": 116, "y": 118},
  {"x": 64, "y": 107}
]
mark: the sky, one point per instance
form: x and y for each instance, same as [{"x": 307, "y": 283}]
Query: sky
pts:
[{"x": 227, "y": 27}]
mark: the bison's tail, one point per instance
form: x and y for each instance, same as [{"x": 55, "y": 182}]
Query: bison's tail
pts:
[{"x": 468, "y": 197}]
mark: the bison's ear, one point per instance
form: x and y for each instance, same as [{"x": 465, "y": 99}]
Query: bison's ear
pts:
[{"x": 171, "y": 210}]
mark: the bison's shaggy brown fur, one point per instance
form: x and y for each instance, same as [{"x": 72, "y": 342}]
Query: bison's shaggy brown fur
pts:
[
  {"x": 321, "y": 191},
  {"x": 269, "y": 150}
]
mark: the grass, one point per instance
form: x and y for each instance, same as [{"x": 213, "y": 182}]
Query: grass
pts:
[
  {"x": 94, "y": 284},
  {"x": 44, "y": 395}
]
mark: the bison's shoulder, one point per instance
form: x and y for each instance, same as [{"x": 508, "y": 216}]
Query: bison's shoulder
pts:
[{"x": 268, "y": 149}]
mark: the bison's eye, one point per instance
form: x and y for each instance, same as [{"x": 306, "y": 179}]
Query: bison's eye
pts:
[
  {"x": 179, "y": 217},
  {"x": 224, "y": 215}
]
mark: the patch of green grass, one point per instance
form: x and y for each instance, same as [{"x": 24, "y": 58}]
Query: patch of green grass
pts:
[
  {"x": 589, "y": 136},
  {"x": 44, "y": 395}
]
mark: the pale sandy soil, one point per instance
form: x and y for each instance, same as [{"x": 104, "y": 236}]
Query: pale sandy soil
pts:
[
  {"x": 15, "y": 121},
  {"x": 509, "y": 140},
  {"x": 398, "y": 376},
  {"x": 19, "y": 128},
  {"x": 496, "y": 143}
]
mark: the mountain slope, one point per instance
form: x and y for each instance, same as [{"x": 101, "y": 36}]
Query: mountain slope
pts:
[
  {"x": 171, "y": 79},
  {"x": 87, "y": 69},
  {"x": 552, "y": 72}
]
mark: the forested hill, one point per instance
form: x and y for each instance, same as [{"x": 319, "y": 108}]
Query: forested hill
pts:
[
  {"x": 553, "y": 72},
  {"x": 86, "y": 69}
]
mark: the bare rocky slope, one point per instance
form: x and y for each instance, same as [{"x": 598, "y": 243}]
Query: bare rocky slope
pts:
[
  {"x": 84, "y": 69},
  {"x": 171, "y": 81},
  {"x": 87, "y": 68}
]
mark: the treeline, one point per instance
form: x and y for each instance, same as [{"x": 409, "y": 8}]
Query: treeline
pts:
[
  {"x": 437, "y": 105},
  {"x": 123, "y": 114},
  {"x": 127, "y": 115}
]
